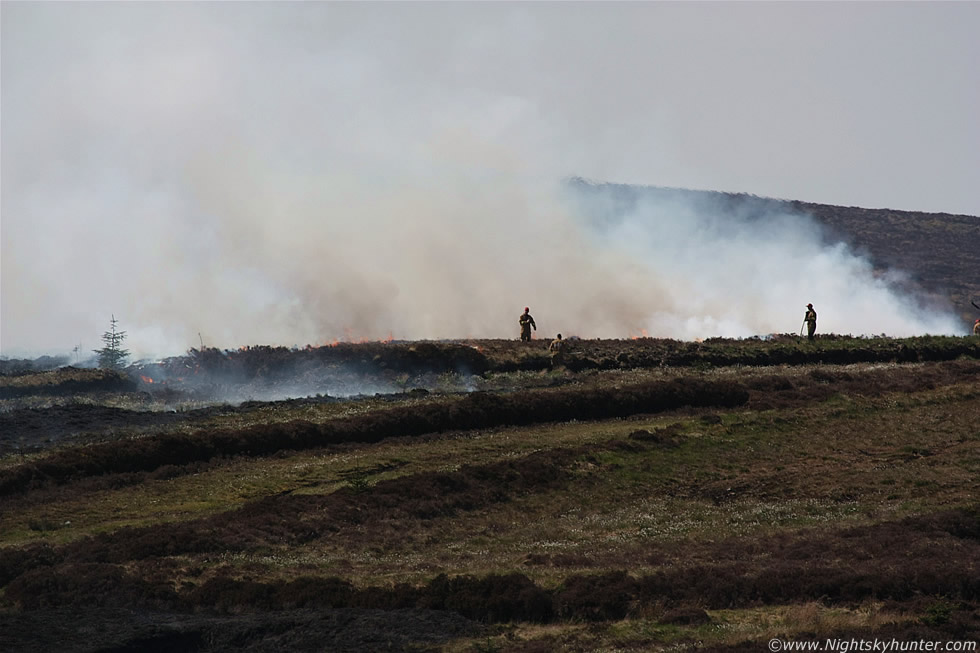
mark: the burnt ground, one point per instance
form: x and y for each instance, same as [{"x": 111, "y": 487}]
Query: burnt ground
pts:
[
  {"x": 118, "y": 630},
  {"x": 33, "y": 429},
  {"x": 26, "y": 430},
  {"x": 122, "y": 590},
  {"x": 80, "y": 406}
]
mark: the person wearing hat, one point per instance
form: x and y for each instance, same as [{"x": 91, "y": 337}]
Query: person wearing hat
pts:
[
  {"x": 811, "y": 321},
  {"x": 526, "y": 322}
]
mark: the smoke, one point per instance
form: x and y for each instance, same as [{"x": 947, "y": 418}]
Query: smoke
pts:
[
  {"x": 288, "y": 175},
  {"x": 737, "y": 266}
]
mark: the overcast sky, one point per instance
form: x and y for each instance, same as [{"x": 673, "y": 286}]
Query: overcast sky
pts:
[{"x": 290, "y": 173}]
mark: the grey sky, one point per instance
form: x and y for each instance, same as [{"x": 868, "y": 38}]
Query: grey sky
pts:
[{"x": 172, "y": 162}]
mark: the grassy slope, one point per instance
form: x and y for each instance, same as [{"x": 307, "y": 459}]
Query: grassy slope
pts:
[{"x": 782, "y": 485}]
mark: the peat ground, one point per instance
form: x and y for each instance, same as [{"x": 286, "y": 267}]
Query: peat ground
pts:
[{"x": 645, "y": 495}]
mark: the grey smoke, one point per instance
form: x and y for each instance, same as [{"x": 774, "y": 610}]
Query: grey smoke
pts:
[
  {"x": 742, "y": 266},
  {"x": 296, "y": 173}
]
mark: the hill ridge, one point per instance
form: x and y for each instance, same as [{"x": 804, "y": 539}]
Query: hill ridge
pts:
[{"x": 938, "y": 251}]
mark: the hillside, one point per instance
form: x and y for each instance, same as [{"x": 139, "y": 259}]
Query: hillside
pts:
[
  {"x": 939, "y": 251},
  {"x": 640, "y": 494},
  {"x": 644, "y": 495}
]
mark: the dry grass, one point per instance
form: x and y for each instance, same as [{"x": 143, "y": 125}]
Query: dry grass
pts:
[
  {"x": 649, "y": 631},
  {"x": 713, "y": 491}
]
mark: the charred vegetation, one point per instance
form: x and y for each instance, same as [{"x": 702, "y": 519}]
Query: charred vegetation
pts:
[{"x": 652, "y": 485}]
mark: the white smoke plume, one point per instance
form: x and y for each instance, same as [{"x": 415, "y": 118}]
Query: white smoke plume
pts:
[
  {"x": 737, "y": 266},
  {"x": 253, "y": 173}
]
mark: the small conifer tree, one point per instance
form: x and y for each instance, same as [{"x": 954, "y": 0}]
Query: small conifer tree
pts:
[{"x": 113, "y": 356}]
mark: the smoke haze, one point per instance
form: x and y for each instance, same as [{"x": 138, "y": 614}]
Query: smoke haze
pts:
[{"x": 296, "y": 173}]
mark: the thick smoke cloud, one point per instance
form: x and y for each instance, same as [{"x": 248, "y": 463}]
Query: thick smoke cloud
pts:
[
  {"x": 740, "y": 266},
  {"x": 299, "y": 173}
]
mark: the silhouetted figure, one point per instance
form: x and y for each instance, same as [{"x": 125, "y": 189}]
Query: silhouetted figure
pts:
[
  {"x": 811, "y": 321},
  {"x": 557, "y": 348},
  {"x": 526, "y": 322}
]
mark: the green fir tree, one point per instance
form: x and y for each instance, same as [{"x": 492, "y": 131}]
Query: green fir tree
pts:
[{"x": 113, "y": 356}]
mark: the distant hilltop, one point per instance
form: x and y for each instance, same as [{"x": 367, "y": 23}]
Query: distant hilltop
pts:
[{"x": 939, "y": 251}]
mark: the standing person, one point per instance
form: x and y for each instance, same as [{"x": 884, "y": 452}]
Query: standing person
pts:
[
  {"x": 976, "y": 327},
  {"x": 557, "y": 348},
  {"x": 811, "y": 321},
  {"x": 526, "y": 322}
]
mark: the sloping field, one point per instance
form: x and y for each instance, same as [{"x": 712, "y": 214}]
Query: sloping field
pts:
[{"x": 709, "y": 502}]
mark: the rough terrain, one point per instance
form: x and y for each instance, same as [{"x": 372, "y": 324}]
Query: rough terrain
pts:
[{"x": 462, "y": 496}]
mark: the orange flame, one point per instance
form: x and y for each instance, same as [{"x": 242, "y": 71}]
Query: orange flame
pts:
[
  {"x": 350, "y": 340},
  {"x": 146, "y": 379}
]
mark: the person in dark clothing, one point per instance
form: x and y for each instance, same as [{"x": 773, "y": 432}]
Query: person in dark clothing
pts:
[
  {"x": 526, "y": 322},
  {"x": 811, "y": 321}
]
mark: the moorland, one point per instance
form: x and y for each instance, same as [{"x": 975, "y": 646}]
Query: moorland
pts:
[
  {"x": 479, "y": 496},
  {"x": 641, "y": 494}
]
